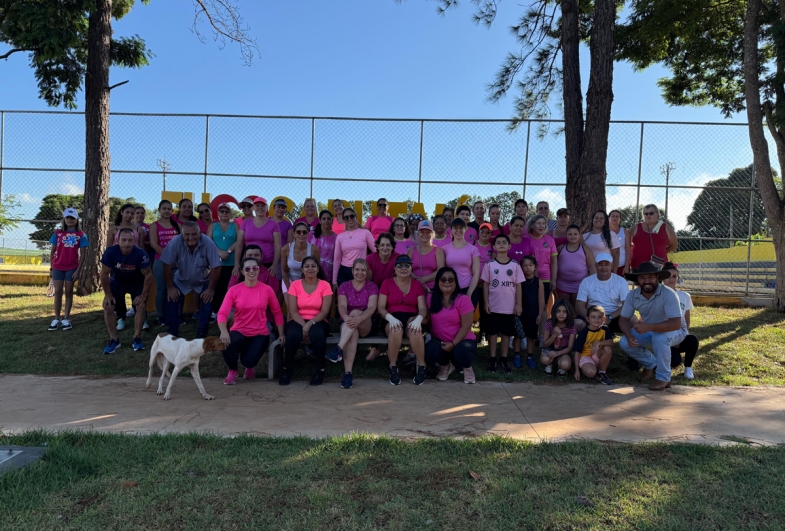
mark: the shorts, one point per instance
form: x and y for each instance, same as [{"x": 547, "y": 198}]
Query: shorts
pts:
[
  {"x": 119, "y": 291},
  {"x": 546, "y": 288},
  {"x": 530, "y": 327},
  {"x": 68, "y": 276},
  {"x": 589, "y": 359},
  {"x": 496, "y": 324},
  {"x": 403, "y": 317}
]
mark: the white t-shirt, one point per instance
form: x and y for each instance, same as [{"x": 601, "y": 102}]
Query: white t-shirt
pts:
[
  {"x": 597, "y": 244},
  {"x": 685, "y": 302},
  {"x": 621, "y": 237},
  {"x": 609, "y": 294}
]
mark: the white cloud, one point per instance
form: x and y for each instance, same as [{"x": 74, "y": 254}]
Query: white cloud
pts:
[
  {"x": 27, "y": 199},
  {"x": 70, "y": 185}
]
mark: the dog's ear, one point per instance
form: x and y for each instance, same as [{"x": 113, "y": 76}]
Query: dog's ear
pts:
[{"x": 212, "y": 344}]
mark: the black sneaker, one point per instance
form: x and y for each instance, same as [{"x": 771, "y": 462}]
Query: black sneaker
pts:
[
  {"x": 285, "y": 378},
  {"x": 603, "y": 378},
  {"x": 318, "y": 377},
  {"x": 346, "y": 383},
  {"x": 505, "y": 366},
  {"x": 335, "y": 355},
  {"x": 419, "y": 378},
  {"x": 395, "y": 378},
  {"x": 492, "y": 365}
]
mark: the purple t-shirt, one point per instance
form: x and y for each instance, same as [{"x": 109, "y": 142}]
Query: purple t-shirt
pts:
[
  {"x": 284, "y": 227},
  {"x": 442, "y": 243},
  {"x": 519, "y": 250},
  {"x": 262, "y": 236},
  {"x": 402, "y": 247},
  {"x": 357, "y": 300},
  {"x": 461, "y": 260},
  {"x": 446, "y": 323}
]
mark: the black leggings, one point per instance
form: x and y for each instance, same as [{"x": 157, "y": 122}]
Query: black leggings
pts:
[
  {"x": 688, "y": 346},
  {"x": 294, "y": 337},
  {"x": 249, "y": 349},
  {"x": 461, "y": 356}
]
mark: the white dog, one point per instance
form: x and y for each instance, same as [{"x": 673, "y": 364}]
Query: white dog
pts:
[{"x": 180, "y": 353}]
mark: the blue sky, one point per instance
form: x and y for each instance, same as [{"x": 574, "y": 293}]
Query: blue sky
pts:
[{"x": 348, "y": 58}]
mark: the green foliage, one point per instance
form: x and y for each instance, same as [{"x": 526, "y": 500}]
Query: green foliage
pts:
[
  {"x": 52, "y": 208},
  {"x": 54, "y": 35},
  {"x": 8, "y": 206}
]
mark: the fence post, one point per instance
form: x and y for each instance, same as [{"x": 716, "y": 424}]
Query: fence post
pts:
[
  {"x": 749, "y": 231},
  {"x": 2, "y": 151},
  {"x": 419, "y": 177},
  {"x": 313, "y": 132},
  {"x": 206, "y": 148},
  {"x": 526, "y": 161},
  {"x": 640, "y": 170}
]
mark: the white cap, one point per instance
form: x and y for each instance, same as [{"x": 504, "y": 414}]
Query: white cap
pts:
[
  {"x": 70, "y": 212},
  {"x": 603, "y": 257}
]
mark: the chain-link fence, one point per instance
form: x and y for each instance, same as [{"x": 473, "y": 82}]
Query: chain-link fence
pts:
[{"x": 698, "y": 174}]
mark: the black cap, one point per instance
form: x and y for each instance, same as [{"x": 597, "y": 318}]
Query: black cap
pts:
[{"x": 403, "y": 259}]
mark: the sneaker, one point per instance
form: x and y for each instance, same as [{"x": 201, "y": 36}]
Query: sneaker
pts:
[
  {"x": 531, "y": 363},
  {"x": 137, "y": 344},
  {"x": 516, "y": 361},
  {"x": 468, "y": 376},
  {"x": 285, "y": 378},
  {"x": 335, "y": 355},
  {"x": 603, "y": 378},
  {"x": 131, "y": 312},
  {"x": 121, "y": 324},
  {"x": 688, "y": 373},
  {"x": 346, "y": 383},
  {"x": 562, "y": 373},
  {"x": 111, "y": 346},
  {"x": 318, "y": 377},
  {"x": 492, "y": 365},
  {"x": 54, "y": 325},
  {"x": 145, "y": 326},
  {"x": 249, "y": 374},
  {"x": 395, "y": 378},
  {"x": 445, "y": 372},
  {"x": 66, "y": 324},
  {"x": 549, "y": 370},
  {"x": 213, "y": 317},
  {"x": 231, "y": 378},
  {"x": 505, "y": 366},
  {"x": 419, "y": 378}
]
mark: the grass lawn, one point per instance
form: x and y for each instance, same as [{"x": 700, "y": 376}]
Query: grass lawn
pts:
[
  {"x": 93, "y": 481},
  {"x": 739, "y": 346},
  {"x": 763, "y": 252}
]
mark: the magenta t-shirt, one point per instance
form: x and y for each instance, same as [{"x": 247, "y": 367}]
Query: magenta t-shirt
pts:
[
  {"x": 446, "y": 323},
  {"x": 542, "y": 249},
  {"x": 486, "y": 254},
  {"x": 559, "y": 344},
  {"x": 442, "y": 243},
  {"x": 262, "y": 236},
  {"x": 397, "y": 301},
  {"x": 461, "y": 260},
  {"x": 501, "y": 280},
  {"x": 357, "y": 300},
  {"x": 378, "y": 225},
  {"x": 284, "y": 227},
  {"x": 519, "y": 250},
  {"x": 402, "y": 247},
  {"x": 381, "y": 272},
  {"x": 312, "y": 224}
]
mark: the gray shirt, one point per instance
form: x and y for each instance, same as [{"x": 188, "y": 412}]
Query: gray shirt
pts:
[
  {"x": 663, "y": 305},
  {"x": 193, "y": 268}
]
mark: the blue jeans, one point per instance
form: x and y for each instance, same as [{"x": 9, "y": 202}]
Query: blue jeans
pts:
[
  {"x": 461, "y": 356},
  {"x": 658, "y": 356},
  {"x": 173, "y": 315},
  {"x": 160, "y": 290}
]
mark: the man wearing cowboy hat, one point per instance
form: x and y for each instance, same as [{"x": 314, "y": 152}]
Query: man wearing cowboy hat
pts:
[{"x": 660, "y": 327}]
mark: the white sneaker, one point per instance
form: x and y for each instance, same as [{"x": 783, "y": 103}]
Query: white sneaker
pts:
[
  {"x": 688, "y": 373},
  {"x": 121, "y": 324},
  {"x": 54, "y": 325},
  {"x": 131, "y": 312},
  {"x": 145, "y": 326},
  {"x": 66, "y": 323}
]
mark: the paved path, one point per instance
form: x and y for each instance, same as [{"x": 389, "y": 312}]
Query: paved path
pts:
[{"x": 535, "y": 412}]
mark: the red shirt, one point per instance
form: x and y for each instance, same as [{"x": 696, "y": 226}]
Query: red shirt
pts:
[{"x": 397, "y": 301}]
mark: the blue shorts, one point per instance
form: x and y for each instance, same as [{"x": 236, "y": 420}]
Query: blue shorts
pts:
[{"x": 68, "y": 276}]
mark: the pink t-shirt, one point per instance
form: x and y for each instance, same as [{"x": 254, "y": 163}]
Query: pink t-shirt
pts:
[
  {"x": 447, "y": 323},
  {"x": 501, "y": 280},
  {"x": 309, "y": 306},
  {"x": 357, "y": 300},
  {"x": 542, "y": 249},
  {"x": 338, "y": 227},
  {"x": 470, "y": 235},
  {"x": 164, "y": 236},
  {"x": 250, "y": 309},
  {"x": 67, "y": 245},
  {"x": 349, "y": 246},
  {"x": 461, "y": 260},
  {"x": 264, "y": 278},
  {"x": 519, "y": 250},
  {"x": 486, "y": 254},
  {"x": 559, "y": 344},
  {"x": 381, "y": 272},
  {"x": 378, "y": 225},
  {"x": 424, "y": 265},
  {"x": 262, "y": 236},
  {"x": 397, "y": 301},
  {"x": 312, "y": 224},
  {"x": 404, "y": 246},
  {"x": 326, "y": 245},
  {"x": 443, "y": 242}
]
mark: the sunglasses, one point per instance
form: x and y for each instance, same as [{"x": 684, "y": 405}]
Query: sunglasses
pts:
[
  {"x": 382, "y": 205},
  {"x": 246, "y": 205},
  {"x": 251, "y": 269},
  {"x": 447, "y": 280},
  {"x": 403, "y": 266},
  {"x": 350, "y": 216},
  {"x": 301, "y": 232},
  {"x": 204, "y": 211},
  {"x": 649, "y": 213}
]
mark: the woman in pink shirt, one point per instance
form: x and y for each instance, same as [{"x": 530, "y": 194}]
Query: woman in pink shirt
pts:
[
  {"x": 400, "y": 231},
  {"x": 265, "y": 233},
  {"x": 452, "y": 344},
  {"x": 323, "y": 238},
  {"x": 576, "y": 262},
  {"x": 381, "y": 264},
  {"x": 309, "y": 301},
  {"x": 470, "y": 235},
  {"x": 351, "y": 244},
  {"x": 427, "y": 259},
  {"x": 337, "y": 217},
  {"x": 381, "y": 221},
  {"x": 185, "y": 212},
  {"x": 495, "y": 214},
  {"x": 249, "y": 336},
  {"x": 519, "y": 243},
  {"x": 440, "y": 238},
  {"x": 310, "y": 217},
  {"x": 521, "y": 210},
  {"x": 543, "y": 248},
  {"x": 464, "y": 258}
]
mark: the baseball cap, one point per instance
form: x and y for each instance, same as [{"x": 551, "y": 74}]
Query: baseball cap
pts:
[
  {"x": 280, "y": 202},
  {"x": 486, "y": 226},
  {"x": 248, "y": 200},
  {"x": 70, "y": 212},
  {"x": 224, "y": 205},
  {"x": 603, "y": 257},
  {"x": 403, "y": 259},
  {"x": 259, "y": 199},
  {"x": 426, "y": 225}
]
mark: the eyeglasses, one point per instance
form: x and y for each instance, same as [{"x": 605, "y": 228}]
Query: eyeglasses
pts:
[
  {"x": 447, "y": 280},
  {"x": 403, "y": 266},
  {"x": 348, "y": 217},
  {"x": 204, "y": 211},
  {"x": 301, "y": 232},
  {"x": 251, "y": 269}
]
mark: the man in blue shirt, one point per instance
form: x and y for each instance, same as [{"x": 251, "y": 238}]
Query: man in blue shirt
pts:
[
  {"x": 198, "y": 265},
  {"x": 125, "y": 269}
]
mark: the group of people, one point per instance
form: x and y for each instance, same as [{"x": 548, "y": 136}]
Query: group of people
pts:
[{"x": 533, "y": 279}]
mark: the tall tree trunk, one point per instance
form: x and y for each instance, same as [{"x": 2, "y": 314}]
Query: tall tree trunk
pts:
[
  {"x": 573, "y": 100},
  {"x": 590, "y": 187},
  {"x": 97, "y": 157},
  {"x": 773, "y": 205}
]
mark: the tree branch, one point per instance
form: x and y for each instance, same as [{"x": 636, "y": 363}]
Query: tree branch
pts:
[
  {"x": 5, "y": 55},
  {"x": 227, "y": 24},
  {"x": 121, "y": 83}
]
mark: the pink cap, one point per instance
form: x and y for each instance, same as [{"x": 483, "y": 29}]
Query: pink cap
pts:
[{"x": 260, "y": 199}]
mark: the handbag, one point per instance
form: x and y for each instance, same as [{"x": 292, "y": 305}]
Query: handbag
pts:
[
  {"x": 519, "y": 327},
  {"x": 656, "y": 260}
]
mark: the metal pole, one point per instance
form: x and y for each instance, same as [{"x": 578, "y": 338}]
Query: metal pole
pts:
[
  {"x": 206, "y": 148},
  {"x": 419, "y": 177},
  {"x": 640, "y": 170},
  {"x": 667, "y": 181},
  {"x": 2, "y": 151},
  {"x": 749, "y": 232},
  {"x": 526, "y": 162},
  {"x": 313, "y": 133}
]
